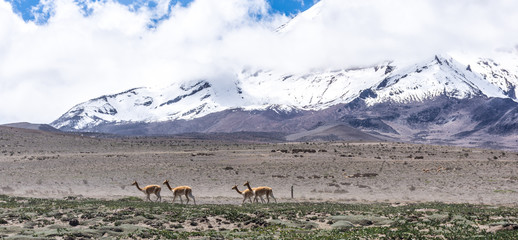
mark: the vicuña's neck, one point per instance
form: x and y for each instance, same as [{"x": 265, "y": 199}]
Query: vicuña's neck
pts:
[
  {"x": 168, "y": 186},
  {"x": 237, "y": 190},
  {"x": 136, "y": 184},
  {"x": 249, "y": 188}
]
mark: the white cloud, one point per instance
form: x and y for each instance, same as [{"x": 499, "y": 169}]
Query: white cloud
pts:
[
  {"x": 46, "y": 69},
  {"x": 362, "y": 32}
]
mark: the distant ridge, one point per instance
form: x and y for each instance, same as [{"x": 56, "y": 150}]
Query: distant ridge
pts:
[{"x": 32, "y": 126}]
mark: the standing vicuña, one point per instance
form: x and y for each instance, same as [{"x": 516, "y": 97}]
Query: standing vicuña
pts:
[
  {"x": 179, "y": 191},
  {"x": 149, "y": 189},
  {"x": 260, "y": 191},
  {"x": 246, "y": 194}
]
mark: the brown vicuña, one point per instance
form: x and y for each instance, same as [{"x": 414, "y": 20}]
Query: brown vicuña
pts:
[
  {"x": 179, "y": 191},
  {"x": 260, "y": 191},
  {"x": 246, "y": 194},
  {"x": 149, "y": 189}
]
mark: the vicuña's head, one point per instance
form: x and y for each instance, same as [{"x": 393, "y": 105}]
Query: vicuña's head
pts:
[
  {"x": 166, "y": 182},
  {"x": 246, "y": 183},
  {"x": 234, "y": 187},
  {"x": 134, "y": 183}
]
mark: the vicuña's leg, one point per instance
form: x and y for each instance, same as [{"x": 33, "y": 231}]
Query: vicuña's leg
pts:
[
  {"x": 194, "y": 199},
  {"x": 174, "y": 198},
  {"x": 181, "y": 200},
  {"x": 267, "y": 198},
  {"x": 273, "y": 197},
  {"x": 187, "y": 196},
  {"x": 148, "y": 196},
  {"x": 158, "y": 197}
]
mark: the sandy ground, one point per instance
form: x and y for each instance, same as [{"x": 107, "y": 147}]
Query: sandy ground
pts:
[{"x": 40, "y": 164}]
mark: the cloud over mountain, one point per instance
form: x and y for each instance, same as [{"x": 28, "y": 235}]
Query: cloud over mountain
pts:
[{"x": 93, "y": 48}]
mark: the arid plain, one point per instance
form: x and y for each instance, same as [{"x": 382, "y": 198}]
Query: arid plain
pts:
[{"x": 54, "y": 165}]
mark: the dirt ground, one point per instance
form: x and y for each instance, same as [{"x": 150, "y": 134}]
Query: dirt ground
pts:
[{"x": 53, "y": 165}]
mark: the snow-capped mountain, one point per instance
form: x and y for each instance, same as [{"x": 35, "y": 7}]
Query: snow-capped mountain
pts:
[
  {"x": 303, "y": 18},
  {"x": 454, "y": 98},
  {"x": 251, "y": 91},
  {"x": 185, "y": 101},
  {"x": 439, "y": 76},
  {"x": 500, "y": 71}
]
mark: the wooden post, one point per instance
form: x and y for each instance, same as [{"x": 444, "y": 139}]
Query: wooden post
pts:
[{"x": 291, "y": 191}]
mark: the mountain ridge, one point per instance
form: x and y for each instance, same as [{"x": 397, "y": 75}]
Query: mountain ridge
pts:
[{"x": 287, "y": 92}]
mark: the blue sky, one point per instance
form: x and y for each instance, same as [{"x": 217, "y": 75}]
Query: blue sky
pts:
[{"x": 288, "y": 7}]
